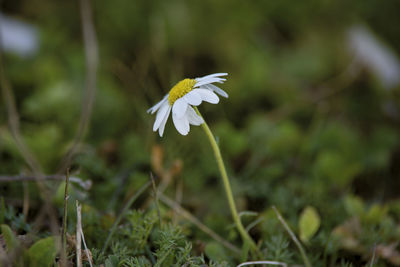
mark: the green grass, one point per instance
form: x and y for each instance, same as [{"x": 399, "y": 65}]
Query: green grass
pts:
[{"x": 307, "y": 129}]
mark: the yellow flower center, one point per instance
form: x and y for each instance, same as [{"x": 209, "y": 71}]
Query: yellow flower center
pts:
[{"x": 180, "y": 89}]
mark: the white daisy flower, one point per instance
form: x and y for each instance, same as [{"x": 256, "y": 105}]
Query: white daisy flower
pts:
[{"x": 181, "y": 98}]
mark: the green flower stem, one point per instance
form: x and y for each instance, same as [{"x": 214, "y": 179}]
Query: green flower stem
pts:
[{"x": 245, "y": 236}]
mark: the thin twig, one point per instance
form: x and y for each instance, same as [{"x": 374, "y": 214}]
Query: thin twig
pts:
[
  {"x": 58, "y": 177},
  {"x": 64, "y": 225},
  {"x": 179, "y": 209},
  {"x": 293, "y": 236},
  {"x": 78, "y": 235},
  {"x": 155, "y": 197},
  {"x": 123, "y": 212},
  {"x": 92, "y": 59}
]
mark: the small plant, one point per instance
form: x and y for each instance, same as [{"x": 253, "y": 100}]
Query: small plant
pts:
[
  {"x": 180, "y": 99},
  {"x": 278, "y": 248}
]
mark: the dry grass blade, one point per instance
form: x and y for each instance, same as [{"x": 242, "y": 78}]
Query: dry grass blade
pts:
[
  {"x": 293, "y": 236},
  {"x": 87, "y": 252},
  {"x": 57, "y": 177},
  {"x": 78, "y": 235}
]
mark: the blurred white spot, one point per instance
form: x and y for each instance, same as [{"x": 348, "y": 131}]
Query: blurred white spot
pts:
[
  {"x": 18, "y": 37},
  {"x": 375, "y": 55}
]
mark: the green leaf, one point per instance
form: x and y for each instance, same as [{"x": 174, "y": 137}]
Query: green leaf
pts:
[
  {"x": 43, "y": 252},
  {"x": 375, "y": 214},
  {"x": 9, "y": 237},
  {"x": 354, "y": 205},
  {"x": 309, "y": 223},
  {"x": 327, "y": 164}
]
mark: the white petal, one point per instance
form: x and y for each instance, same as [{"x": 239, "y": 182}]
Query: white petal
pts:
[
  {"x": 212, "y": 80},
  {"x": 182, "y": 124},
  {"x": 193, "y": 98},
  {"x": 213, "y": 75},
  {"x": 207, "y": 96},
  {"x": 161, "y": 115},
  {"x": 193, "y": 118},
  {"x": 158, "y": 105},
  {"x": 216, "y": 89},
  {"x": 162, "y": 126},
  {"x": 208, "y": 81},
  {"x": 179, "y": 107}
]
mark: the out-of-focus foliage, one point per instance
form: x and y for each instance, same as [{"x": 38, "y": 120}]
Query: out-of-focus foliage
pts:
[{"x": 307, "y": 124}]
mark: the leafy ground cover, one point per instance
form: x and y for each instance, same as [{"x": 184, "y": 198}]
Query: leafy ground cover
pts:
[{"x": 310, "y": 131}]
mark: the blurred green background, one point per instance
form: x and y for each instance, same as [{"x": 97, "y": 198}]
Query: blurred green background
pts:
[{"x": 312, "y": 118}]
